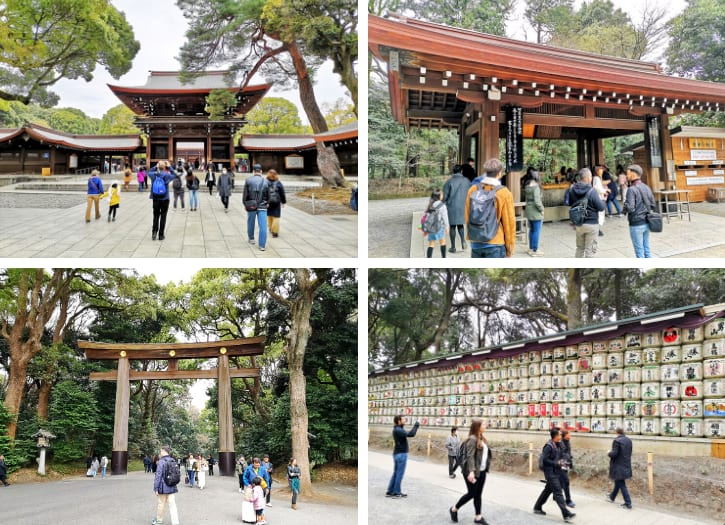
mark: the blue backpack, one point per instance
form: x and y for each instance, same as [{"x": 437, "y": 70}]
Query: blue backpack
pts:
[{"x": 159, "y": 189}]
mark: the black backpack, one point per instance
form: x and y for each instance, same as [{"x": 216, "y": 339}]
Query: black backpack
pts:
[
  {"x": 461, "y": 456},
  {"x": 578, "y": 211},
  {"x": 172, "y": 473},
  {"x": 482, "y": 219},
  {"x": 177, "y": 183},
  {"x": 273, "y": 193}
]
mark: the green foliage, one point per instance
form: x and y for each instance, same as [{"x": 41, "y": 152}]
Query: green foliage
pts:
[
  {"x": 44, "y": 41},
  {"x": 220, "y": 103},
  {"x": 118, "y": 121},
  {"x": 12, "y": 459},
  {"x": 697, "y": 41},
  {"x": 73, "y": 121},
  {"x": 74, "y": 421},
  {"x": 339, "y": 113},
  {"x": 272, "y": 116},
  {"x": 484, "y": 16}
]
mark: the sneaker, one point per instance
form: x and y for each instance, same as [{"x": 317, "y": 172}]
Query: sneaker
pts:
[
  {"x": 153, "y": 236},
  {"x": 569, "y": 517},
  {"x": 451, "y": 250},
  {"x": 538, "y": 253},
  {"x": 156, "y": 522},
  {"x": 454, "y": 514},
  {"x": 601, "y": 233},
  {"x": 251, "y": 241},
  {"x": 403, "y": 495},
  {"x": 389, "y": 494},
  {"x": 625, "y": 506},
  {"x": 240, "y": 490},
  {"x": 464, "y": 246},
  {"x": 452, "y": 476},
  {"x": 109, "y": 218},
  {"x": 539, "y": 512},
  {"x": 482, "y": 521},
  {"x": 608, "y": 497},
  {"x": 269, "y": 504},
  {"x": 161, "y": 237},
  {"x": 570, "y": 504},
  {"x": 530, "y": 252}
]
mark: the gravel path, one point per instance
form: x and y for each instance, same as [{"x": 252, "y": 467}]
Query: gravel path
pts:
[
  {"x": 389, "y": 226},
  {"x": 41, "y": 200}
]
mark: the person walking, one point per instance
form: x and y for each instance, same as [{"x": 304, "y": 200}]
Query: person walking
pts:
[
  {"x": 623, "y": 182},
  {"x": 178, "y": 187},
  {"x": 192, "y": 184},
  {"x": 502, "y": 244},
  {"x": 104, "y": 465},
  {"x": 161, "y": 175},
  {"x": 95, "y": 465},
  {"x": 95, "y": 190},
  {"x": 639, "y": 202},
  {"x": 256, "y": 201},
  {"x": 452, "y": 445},
  {"x": 113, "y": 203},
  {"x": 293, "y": 479},
  {"x": 454, "y": 196},
  {"x": 4, "y": 472},
  {"x": 141, "y": 178},
  {"x": 164, "y": 493},
  {"x": 551, "y": 460},
  {"x": 534, "y": 212},
  {"x": 474, "y": 470},
  {"x": 567, "y": 463},
  {"x": 277, "y": 201},
  {"x": 603, "y": 192},
  {"x": 400, "y": 456},
  {"x": 146, "y": 463},
  {"x": 154, "y": 463},
  {"x": 468, "y": 170},
  {"x": 203, "y": 468},
  {"x": 210, "y": 461},
  {"x": 191, "y": 469},
  {"x": 241, "y": 468},
  {"x": 587, "y": 232},
  {"x": 210, "y": 179},
  {"x": 127, "y": 174},
  {"x": 611, "y": 185},
  {"x": 435, "y": 225},
  {"x": 270, "y": 469},
  {"x": 620, "y": 467},
  {"x": 225, "y": 188}
]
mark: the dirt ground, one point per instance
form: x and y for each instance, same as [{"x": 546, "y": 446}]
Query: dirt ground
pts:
[
  {"x": 694, "y": 484},
  {"x": 328, "y": 201}
]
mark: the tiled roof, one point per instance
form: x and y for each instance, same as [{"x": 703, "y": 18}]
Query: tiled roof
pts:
[
  {"x": 77, "y": 142},
  {"x": 277, "y": 142}
]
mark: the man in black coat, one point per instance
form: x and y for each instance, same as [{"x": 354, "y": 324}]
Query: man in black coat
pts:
[
  {"x": 552, "y": 461},
  {"x": 620, "y": 467},
  {"x": 3, "y": 471},
  {"x": 400, "y": 456}
]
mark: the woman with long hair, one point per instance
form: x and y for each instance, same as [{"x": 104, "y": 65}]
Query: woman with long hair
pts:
[
  {"x": 293, "y": 478},
  {"x": 474, "y": 468}
]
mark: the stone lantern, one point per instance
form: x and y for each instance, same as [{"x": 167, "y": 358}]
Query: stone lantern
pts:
[{"x": 43, "y": 437}]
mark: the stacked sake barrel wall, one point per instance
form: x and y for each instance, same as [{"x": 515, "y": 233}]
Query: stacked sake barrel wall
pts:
[{"x": 669, "y": 383}]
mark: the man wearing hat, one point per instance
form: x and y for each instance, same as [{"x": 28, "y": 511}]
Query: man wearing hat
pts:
[{"x": 256, "y": 199}]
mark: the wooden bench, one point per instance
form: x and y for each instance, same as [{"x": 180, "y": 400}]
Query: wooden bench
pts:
[{"x": 715, "y": 194}]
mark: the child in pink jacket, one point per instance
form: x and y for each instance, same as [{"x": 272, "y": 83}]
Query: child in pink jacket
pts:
[{"x": 258, "y": 500}]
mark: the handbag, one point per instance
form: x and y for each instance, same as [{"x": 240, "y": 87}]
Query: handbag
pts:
[
  {"x": 250, "y": 205},
  {"x": 654, "y": 221}
]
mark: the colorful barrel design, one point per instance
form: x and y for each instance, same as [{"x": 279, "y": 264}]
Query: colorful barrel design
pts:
[
  {"x": 650, "y": 391},
  {"x": 598, "y": 425},
  {"x": 691, "y": 390},
  {"x": 583, "y": 424},
  {"x": 670, "y": 408},
  {"x": 691, "y": 408},
  {"x": 650, "y": 408},
  {"x": 670, "y": 426},
  {"x": 584, "y": 349},
  {"x": 597, "y": 347},
  {"x": 714, "y": 407},
  {"x": 671, "y": 336},
  {"x": 632, "y": 408}
]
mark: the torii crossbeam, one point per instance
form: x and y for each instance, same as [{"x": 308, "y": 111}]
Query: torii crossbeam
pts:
[{"x": 124, "y": 353}]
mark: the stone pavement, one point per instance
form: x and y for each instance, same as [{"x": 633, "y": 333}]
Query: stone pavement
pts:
[
  {"x": 507, "y": 500},
  {"x": 45, "y": 231},
  {"x": 128, "y": 499}
]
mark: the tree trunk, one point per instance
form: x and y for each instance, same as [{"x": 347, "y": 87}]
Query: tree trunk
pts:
[
  {"x": 15, "y": 392},
  {"x": 44, "y": 399},
  {"x": 327, "y": 161},
  {"x": 574, "y": 299}
]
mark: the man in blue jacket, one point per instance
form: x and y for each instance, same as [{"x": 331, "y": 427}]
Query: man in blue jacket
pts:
[
  {"x": 160, "y": 197},
  {"x": 163, "y": 491},
  {"x": 254, "y": 470},
  {"x": 95, "y": 190},
  {"x": 400, "y": 456}
]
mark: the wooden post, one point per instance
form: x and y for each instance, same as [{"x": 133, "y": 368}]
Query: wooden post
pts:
[
  {"x": 429, "y": 440},
  {"x": 119, "y": 455},
  {"x": 531, "y": 458},
  {"x": 650, "y": 473},
  {"x": 226, "y": 433}
]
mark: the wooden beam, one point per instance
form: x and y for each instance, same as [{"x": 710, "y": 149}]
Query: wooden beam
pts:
[
  {"x": 233, "y": 348},
  {"x": 139, "y": 375}
]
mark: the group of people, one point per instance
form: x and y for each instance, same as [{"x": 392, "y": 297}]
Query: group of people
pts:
[
  {"x": 93, "y": 465},
  {"x": 480, "y": 210},
  {"x": 474, "y": 455},
  {"x": 263, "y": 198}
]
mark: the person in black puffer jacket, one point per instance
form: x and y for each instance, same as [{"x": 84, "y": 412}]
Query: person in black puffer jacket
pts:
[{"x": 587, "y": 233}]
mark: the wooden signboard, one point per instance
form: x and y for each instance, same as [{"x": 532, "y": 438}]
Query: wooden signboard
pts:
[{"x": 700, "y": 143}]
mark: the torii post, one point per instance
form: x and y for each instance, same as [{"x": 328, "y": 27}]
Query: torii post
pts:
[{"x": 124, "y": 353}]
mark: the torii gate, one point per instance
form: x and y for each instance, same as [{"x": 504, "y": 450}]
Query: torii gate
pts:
[{"x": 124, "y": 353}]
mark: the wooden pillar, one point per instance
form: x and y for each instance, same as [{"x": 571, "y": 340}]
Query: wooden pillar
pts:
[
  {"x": 668, "y": 176},
  {"x": 488, "y": 140},
  {"x": 119, "y": 456},
  {"x": 208, "y": 149},
  {"x": 226, "y": 431},
  {"x": 148, "y": 151},
  {"x": 581, "y": 152},
  {"x": 172, "y": 153}
]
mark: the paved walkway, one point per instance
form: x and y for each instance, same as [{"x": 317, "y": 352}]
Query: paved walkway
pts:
[
  {"x": 118, "y": 500},
  {"x": 51, "y": 226},
  {"x": 507, "y": 500},
  {"x": 393, "y": 232}
]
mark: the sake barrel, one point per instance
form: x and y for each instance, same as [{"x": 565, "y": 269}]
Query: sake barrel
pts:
[
  {"x": 670, "y": 372},
  {"x": 557, "y": 368},
  {"x": 615, "y": 408},
  {"x": 631, "y": 391},
  {"x": 555, "y": 410},
  {"x": 651, "y": 356},
  {"x": 584, "y": 363},
  {"x": 714, "y": 348},
  {"x": 547, "y": 354},
  {"x": 534, "y": 382},
  {"x": 650, "y": 426},
  {"x": 492, "y": 375},
  {"x": 557, "y": 381},
  {"x": 670, "y": 426},
  {"x": 569, "y": 424},
  {"x": 714, "y": 407},
  {"x": 570, "y": 395},
  {"x": 633, "y": 341},
  {"x": 713, "y": 368},
  {"x": 691, "y": 353},
  {"x": 570, "y": 381},
  {"x": 534, "y": 357},
  {"x": 557, "y": 395},
  {"x": 693, "y": 335},
  {"x": 532, "y": 396},
  {"x": 632, "y": 375},
  {"x": 714, "y": 428},
  {"x": 613, "y": 423},
  {"x": 598, "y": 346},
  {"x": 598, "y": 425},
  {"x": 692, "y": 427},
  {"x": 583, "y": 393},
  {"x": 521, "y": 396},
  {"x": 521, "y": 423},
  {"x": 691, "y": 390},
  {"x": 715, "y": 329},
  {"x": 614, "y": 392},
  {"x": 651, "y": 339},
  {"x": 545, "y": 381},
  {"x": 670, "y": 408},
  {"x": 571, "y": 351},
  {"x": 571, "y": 366},
  {"x": 670, "y": 390},
  {"x": 568, "y": 410},
  {"x": 650, "y": 373},
  {"x": 598, "y": 409},
  {"x": 599, "y": 377},
  {"x": 583, "y": 424},
  {"x": 584, "y": 379},
  {"x": 559, "y": 352},
  {"x": 522, "y": 358},
  {"x": 543, "y": 423},
  {"x": 691, "y": 408},
  {"x": 632, "y": 408},
  {"x": 523, "y": 371},
  {"x": 671, "y": 354},
  {"x": 615, "y": 376},
  {"x": 713, "y": 387},
  {"x": 650, "y": 408},
  {"x": 544, "y": 396},
  {"x": 633, "y": 357},
  {"x": 671, "y": 336},
  {"x": 545, "y": 368},
  {"x": 615, "y": 359},
  {"x": 598, "y": 392},
  {"x": 534, "y": 369},
  {"x": 691, "y": 371},
  {"x": 583, "y": 409},
  {"x": 599, "y": 361},
  {"x": 631, "y": 425},
  {"x": 513, "y": 372},
  {"x": 584, "y": 349},
  {"x": 616, "y": 344},
  {"x": 533, "y": 409}
]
